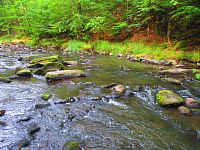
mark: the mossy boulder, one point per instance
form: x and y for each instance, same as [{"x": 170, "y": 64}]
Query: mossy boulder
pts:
[
  {"x": 52, "y": 66},
  {"x": 5, "y": 80},
  {"x": 46, "y": 96},
  {"x": 197, "y": 76},
  {"x": 167, "y": 97},
  {"x": 73, "y": 145},
  {"x": 24, "y": 73},
  {"x": 44, "y": 60},
  {"x": 64, "y": 74},
  {"x": 18, "y": 69}
]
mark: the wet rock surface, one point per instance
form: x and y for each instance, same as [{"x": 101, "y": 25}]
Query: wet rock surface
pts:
[
  {"x": 184, "y": 110},
  {"x": 64, "y": 74},
  {"x": 175, "y": 71},
  {"x": 82, "y": 110},
  {"x": 2, "y": 112},
  {"x": 167, "y": 97}
]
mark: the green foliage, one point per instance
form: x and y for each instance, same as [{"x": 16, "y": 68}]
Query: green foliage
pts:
[
  {"x": 74, "y": 45},
  {"x": 119, "y": 27},
  {"x": 195, "y": 71},
  {"x": 82, "y": 19},
  {"x": 197, "y": 76}
]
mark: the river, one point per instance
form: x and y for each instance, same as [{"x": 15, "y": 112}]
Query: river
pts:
[{"x": 95, "y": 117}]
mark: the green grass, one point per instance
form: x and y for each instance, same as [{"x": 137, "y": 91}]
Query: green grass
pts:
[
  {"x": 74, "y": 45},
  {"x": 141, "y": 49},
  {"x": 138, "y": 49}
]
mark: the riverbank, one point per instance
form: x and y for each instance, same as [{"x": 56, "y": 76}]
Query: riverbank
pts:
[{"x": 138, "y": 49}]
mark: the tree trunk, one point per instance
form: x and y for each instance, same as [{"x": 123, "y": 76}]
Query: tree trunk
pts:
[
  {"x": 169, "y": 33},
  {"x": 148, "y": 30}
]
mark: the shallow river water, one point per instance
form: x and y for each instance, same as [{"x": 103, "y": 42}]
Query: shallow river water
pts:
[{"x": 96, "y": 118}]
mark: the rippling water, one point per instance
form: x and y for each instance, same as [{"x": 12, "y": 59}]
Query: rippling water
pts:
[{"x": 96, "y": 118}]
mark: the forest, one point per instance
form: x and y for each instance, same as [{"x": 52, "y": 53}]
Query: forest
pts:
[{"x": 113, "y": 20}]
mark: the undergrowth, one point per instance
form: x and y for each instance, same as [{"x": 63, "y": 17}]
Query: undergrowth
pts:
[{"x": 138, "y": 49}]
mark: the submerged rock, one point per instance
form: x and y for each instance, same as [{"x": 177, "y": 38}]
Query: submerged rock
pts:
[
  {"x": 192, "y": 103},
  {"x": 2, "y": 123},
  {"x": 33, "y": 129},
  {"x": 175, "y": 71},
  {"x": 20, "y": 59},
  {"x": 167, "y": 97},
  {"x": 5, "y": 80},
  {"x": 52, "y": 66},
  {"x": 73, "y": 145},
  {"x": 184, "y": 110},
  {"x": 198, "y": 134},
  {"x": 2, "y": 112},
  {"x": 23, "y": 143},
  {"x": 24, "y": 73},
  {"x": 46, "y": 96},
  {"x": 14, "y": 77},
  {"x": 64, "y": 74},
  {"x": 71, "y": 117},
  {"x": 195, "y": 111},
  {"x": 41, "y": 106},
  {"x": 70, "y": 63},
  {"x": 25, "y": 119}
]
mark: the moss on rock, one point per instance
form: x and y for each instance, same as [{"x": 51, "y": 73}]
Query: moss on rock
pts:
[
  {"x": 46, "y": 96},
  {"x": 167, "y": 97},
  {"x": 24, "y": 73},
  {"x": 73, "y": 145},
  {"x": 45, "y": 60},
  {"x": 52, "y": 66},
  {"x": 197, "y": 76},
  {"x": 5, "y": 80},
  {"x": 64, "y": 74}
]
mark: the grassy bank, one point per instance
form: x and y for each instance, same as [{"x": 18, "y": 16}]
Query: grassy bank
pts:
[{"x": 138, "y": 49}]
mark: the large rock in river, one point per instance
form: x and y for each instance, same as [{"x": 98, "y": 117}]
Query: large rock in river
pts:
[
  {"x": 192, "y": 103},
  {"x": 167, "y": 97},
  {"x": 64, "y": 74},
  {"x": 44, "y": 60},
  {"x": 52, "y": 66},
  {"x": 24, "y": 73}
]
